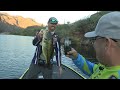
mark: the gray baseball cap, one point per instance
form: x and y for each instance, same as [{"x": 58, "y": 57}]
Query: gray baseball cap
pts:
[{"x": 107, "y": 26}]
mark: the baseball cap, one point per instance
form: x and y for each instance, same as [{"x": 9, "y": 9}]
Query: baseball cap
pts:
[
  {"x": 107, "y": 26},
  {"x": 53, "y": 20}
]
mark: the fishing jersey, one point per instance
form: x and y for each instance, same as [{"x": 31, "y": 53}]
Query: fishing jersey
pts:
[{"x": 96, "y": 71}]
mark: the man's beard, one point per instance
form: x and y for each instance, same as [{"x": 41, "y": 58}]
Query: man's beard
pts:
[{"x": 53, "y": 28}]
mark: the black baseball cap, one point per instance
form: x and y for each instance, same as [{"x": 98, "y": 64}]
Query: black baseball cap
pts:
[{"x": 53, "y": 20}]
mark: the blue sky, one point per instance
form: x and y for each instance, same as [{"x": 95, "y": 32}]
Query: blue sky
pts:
[{"x": 43, "y": 16}]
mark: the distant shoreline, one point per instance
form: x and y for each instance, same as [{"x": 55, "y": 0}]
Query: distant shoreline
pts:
[{"x": 5, "y": 33}]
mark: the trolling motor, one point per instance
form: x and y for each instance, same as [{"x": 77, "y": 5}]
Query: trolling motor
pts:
[{"x": 67, "y": 45}]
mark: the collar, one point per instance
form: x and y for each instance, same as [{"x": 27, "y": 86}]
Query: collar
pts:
[{"x": 53, "y": 33}]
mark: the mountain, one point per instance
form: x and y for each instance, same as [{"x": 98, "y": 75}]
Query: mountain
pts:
[{"x": 8, "y": 22}]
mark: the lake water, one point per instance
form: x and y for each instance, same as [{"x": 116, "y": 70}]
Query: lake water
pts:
[{"x": 16, "y": 53}]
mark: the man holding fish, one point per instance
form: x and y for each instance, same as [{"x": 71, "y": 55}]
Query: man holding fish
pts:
[{"x": 46, "y": 42}]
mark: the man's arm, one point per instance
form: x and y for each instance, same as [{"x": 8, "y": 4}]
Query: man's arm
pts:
[
  {"x": 38, "y": 38},
  {"x": 84, "y": 65},
  {"x": 36, "y": 41}
]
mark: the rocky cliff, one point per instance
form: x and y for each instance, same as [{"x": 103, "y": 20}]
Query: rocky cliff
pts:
[{"x": 8, "y": 22}]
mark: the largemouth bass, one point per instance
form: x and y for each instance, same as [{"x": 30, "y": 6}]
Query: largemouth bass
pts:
[{"x": 47, "y": 46}]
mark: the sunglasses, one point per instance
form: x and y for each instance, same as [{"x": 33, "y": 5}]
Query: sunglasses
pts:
[
  {"x": 53, "y": 21},
  {"x": 98, "y": 37}
]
